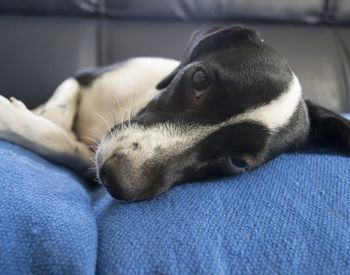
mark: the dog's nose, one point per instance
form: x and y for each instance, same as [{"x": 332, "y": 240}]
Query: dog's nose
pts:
[{"x": 112, "y": 178}]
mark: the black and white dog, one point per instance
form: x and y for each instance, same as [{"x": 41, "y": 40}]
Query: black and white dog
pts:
[{"x": 232, "y": 104}]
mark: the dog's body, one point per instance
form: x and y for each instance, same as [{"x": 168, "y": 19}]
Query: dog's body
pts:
[
  {"x": 77, "y": 116},
  {"x": 232, "y": 104}
]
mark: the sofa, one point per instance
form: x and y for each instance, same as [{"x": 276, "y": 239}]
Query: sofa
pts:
[{"x": 290, "y": 216}]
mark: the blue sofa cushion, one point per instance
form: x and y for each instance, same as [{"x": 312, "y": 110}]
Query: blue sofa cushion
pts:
[
  {"x": 46, "y": 221},
  {"x": 291, "y": 216}
]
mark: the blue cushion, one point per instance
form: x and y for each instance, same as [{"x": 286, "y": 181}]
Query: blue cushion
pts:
[
  {"x": 291, "y": 216},
  {"x": 46, "y": 221}
]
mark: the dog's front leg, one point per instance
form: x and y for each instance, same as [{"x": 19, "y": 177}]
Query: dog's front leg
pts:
[{"x": 37, "y": 133}]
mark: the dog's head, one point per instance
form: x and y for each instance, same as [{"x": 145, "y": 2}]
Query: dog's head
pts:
[{"x": 232, "y": 104}]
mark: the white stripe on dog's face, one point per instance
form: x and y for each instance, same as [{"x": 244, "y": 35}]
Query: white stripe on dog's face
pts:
[
  {"x": 277, "y": 113},
  {"x": 162, "y": 142}
]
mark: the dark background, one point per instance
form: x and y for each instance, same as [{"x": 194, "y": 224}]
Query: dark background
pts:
[{"x": 44, "y": 42}]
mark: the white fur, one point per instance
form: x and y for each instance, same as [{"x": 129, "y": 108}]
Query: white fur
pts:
[
  {"x": 170, "y": 138},
  {"x": 39, "y": 134},
  {"x": 119, "y": 94},
  {"x": 61, "y": 107},
  {"x": 113, "y": 97}
]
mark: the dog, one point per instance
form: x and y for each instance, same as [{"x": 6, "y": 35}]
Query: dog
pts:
[{"x": 232, "y": 104}]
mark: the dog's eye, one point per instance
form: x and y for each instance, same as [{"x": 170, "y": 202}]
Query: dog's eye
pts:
[
  {"x": 238, "y": 165},
  {"x": 200, "y": 82}
]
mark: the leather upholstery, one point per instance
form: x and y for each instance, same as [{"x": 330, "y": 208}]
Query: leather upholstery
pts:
[
  {"x": 38, "y": 52},
  {"x": 317, "y": 57},
  {"x": 291, "y": 11},
  {"x": 77, "y": 7},
  {"x": 303, "y": 11},
  {"x": 341, "y": 11}
]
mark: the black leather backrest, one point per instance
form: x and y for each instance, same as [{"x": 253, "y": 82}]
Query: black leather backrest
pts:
[
  {"x": 290, "y": 11},
  {"x": 38, "y": 53},
  {"x": 340, "y": 11},
  {"x": 72, "y": 7},
  {"x": 42, "y": 48},
  {"x": 301, "y": 11}
]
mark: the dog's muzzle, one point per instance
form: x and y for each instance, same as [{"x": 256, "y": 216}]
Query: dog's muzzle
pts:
[{"x": 111, "y": 176}]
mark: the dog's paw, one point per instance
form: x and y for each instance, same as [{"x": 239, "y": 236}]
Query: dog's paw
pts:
[
  {"x": 18, "y": 104},
  {"x": 4, "y": 101},
  {"x": 5, "y": 113},
  {"x": 10, "y": 111},
  {"x": 12, "y": 104}
]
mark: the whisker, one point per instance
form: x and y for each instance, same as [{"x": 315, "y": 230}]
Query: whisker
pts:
[
  {"x": 133, "y": 102},
  {"x": 145, "y": 119},
  {"x": 126, "y": 113},
  {"x": 120, "y": 109},
  {"x": 130, "y": 108},
  {"x": 94, "y": 149},
  {"x": 93, "y": 168},
  {"x": 129, "y": 114},
  {"x": 96, "y": 132},
  {"x": 105, "y": 120},
  {"x": 113, "y": 115},
  {"x": 90, "y": 138}
]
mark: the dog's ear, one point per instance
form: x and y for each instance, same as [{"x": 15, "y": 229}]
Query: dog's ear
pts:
[
  {"x": 195, "y": 38},
  {"x": 327, "y": 128},
  {"x": 205, "y": 41},
  {"x": 166, "y": 81}
]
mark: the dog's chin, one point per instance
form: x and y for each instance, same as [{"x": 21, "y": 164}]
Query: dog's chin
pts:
[
  {"x": 124, "y": 188},
  {"x": 142, "y": 196},
  {"x": 220, "y": 168}
]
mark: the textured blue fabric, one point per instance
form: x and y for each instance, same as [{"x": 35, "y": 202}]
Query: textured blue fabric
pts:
[
  {"x": 291, "y": 216},
  {"x": 46, "y": 220}
]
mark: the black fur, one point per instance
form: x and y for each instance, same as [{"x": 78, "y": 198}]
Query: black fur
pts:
[
  {"x": 291, "y": 136},
  {"x": 86, "y": 77},
  {"x": 328, "y": 129}
]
